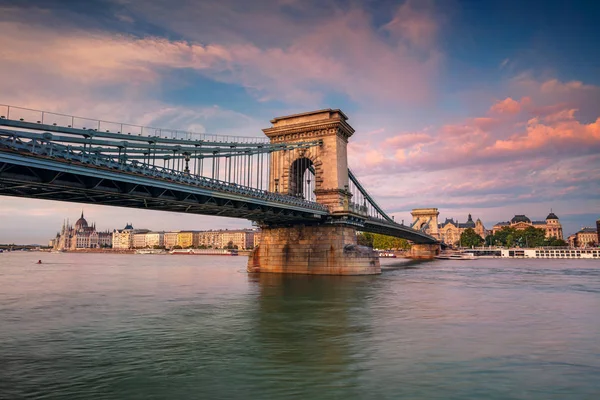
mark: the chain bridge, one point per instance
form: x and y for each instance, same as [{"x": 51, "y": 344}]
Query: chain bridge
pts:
[{"x": 295, "y": 182}]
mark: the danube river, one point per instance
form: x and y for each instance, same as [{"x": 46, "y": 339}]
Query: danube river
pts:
[{"x": 86, "y": 326}]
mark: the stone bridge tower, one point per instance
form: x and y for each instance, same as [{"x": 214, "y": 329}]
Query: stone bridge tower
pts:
[
  {"x": 328, "y": 161},
  {"x": 318, "y": 173}
]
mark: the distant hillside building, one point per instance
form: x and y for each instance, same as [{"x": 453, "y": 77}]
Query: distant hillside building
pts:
[
  {"x": 81, "y": 236},
  {"x": 551, "y": 225}
]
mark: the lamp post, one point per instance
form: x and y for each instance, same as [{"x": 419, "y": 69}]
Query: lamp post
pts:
[{"x": 186, "y": 157}]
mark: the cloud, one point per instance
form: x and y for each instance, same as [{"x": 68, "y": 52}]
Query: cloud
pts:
[
  {"x": 558, "y": 131},
  {"x": 343, "y": 55},
  {"x": 406, "y": 140},
  {"x": 509, "y": 106},
  {"x": 417, "y": 27},
  {"x": 520, "y": 153}
]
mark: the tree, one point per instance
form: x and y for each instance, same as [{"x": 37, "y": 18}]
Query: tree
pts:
[
  {"x": 389, "y": 242},
  {"x": 532, "y": 237},
  {"x": 469, "y": 238},
  {"x": 365, "y": 239},
  {"x": 554, "y": 242}
]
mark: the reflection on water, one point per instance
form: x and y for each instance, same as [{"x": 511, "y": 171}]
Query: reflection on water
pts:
[{"x": 155, "y": 327}]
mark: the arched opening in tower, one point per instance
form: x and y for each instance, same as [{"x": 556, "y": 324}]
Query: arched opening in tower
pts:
[{"x": 302, "y": 179}]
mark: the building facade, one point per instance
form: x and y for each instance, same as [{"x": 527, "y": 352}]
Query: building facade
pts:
[
  {"x": 154, "y": 239},
  {"x": 128, "y": 238},
  {"x": 449, "y": 232},
  {"x": 586, "y": 237},
  {"x": 551, "y": 225},
  {"x": 240, "y": 239},
  {"x": 210, "y": 239},
  {"x": 170, "y": 239},
  {"x": 186, "y": 239},
  {"x": 81, "y": 236}
]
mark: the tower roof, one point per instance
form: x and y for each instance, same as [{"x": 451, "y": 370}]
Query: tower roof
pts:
[
  {"x": 81, "y": 222},
  {"x": 520, "y": 218},
  {"x": 551, "y": 216}
]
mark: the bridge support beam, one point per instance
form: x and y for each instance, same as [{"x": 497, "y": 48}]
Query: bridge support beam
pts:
[
  {"x": 424, "y": 251},
  {"x": 316, "y": 250}
]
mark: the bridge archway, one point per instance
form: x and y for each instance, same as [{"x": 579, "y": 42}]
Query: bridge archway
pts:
[{"x": 301, "y": 178}]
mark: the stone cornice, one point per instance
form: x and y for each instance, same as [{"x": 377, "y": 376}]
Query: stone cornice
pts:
[{"x": 310, "y": 130}]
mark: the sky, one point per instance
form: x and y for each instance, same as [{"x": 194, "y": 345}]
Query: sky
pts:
[{"x": 482, "y": 107}]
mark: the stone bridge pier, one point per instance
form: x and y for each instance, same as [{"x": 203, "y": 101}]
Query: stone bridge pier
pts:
[
  {"x": 328, "y": 248},
  {"x": 424, "y": 251},
  {"x": 316, "y": 249}
]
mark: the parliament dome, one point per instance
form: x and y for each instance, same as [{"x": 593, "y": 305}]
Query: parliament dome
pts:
[{"x": 81, "y": 222}]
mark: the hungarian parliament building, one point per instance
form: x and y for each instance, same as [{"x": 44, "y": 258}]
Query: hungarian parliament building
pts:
[
  {"x": 81, "y": 236},
  {"x": 85, "y": 236}
]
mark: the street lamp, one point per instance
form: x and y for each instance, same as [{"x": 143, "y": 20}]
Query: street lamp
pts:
[{"x": 186, "y": 157}]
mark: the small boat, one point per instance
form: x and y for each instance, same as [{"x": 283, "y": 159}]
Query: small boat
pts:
[
  {"x": 150, "y": 251},
  {"x": 386, "y": 254},
  {"x": 456, "y": 256}
]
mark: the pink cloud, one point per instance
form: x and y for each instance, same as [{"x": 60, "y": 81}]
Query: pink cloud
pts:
[
  {"x": 415, "y": 26},
  {"x": 510, "y": 106},
  {"x": 558, "y": 131},
  {"x": 332, "y": 56},
  {"x": 406, "y": 140}
]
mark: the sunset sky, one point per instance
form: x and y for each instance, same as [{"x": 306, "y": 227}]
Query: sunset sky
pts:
[{"x": 482, "y": 107}]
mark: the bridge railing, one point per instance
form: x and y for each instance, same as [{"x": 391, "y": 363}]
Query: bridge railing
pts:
[
  {"x": 40, "y": 147},
  {"x": 71, "y": 121}
]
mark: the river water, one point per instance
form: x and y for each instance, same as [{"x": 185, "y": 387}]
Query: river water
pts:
[{"x": 89, "y": 326}]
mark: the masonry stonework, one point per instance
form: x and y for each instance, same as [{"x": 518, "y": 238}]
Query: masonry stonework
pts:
[
  {"x": 316, "y": 249},
  {"x": 424, "y": 251}
]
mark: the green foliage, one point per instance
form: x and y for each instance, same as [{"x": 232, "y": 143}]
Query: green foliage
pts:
[
  {"x": 365, "y": 239},
  {"x": 384, "y": 242},
  {"x": 554, "y": 242},
  {"x": 529, "y": 237},
  {"x": 389, "y": 242},
  {"x": 469, "y": 238}
]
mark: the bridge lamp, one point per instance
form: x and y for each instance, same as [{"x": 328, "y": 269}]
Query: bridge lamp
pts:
[{"x": 186, "y": 157}]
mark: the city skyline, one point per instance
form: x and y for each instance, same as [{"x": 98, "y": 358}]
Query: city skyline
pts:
[
  {"x": 471, "y": 109},
  {"x": 185, "y": 222}
]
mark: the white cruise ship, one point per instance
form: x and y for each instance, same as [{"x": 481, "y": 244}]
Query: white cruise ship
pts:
[{"x": 551, "y": 253}]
